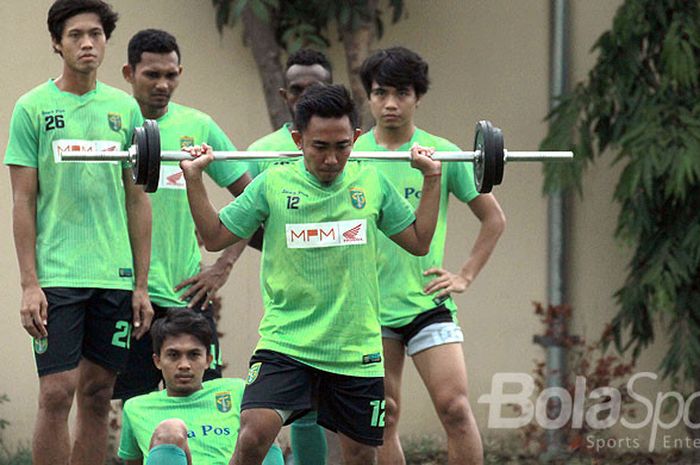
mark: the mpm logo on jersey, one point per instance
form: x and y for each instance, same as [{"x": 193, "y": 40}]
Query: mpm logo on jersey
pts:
[
  {"x": 223, "y": 401},
  {"x": 331, "y": 234},
  {"x": 115, "y": 121}
]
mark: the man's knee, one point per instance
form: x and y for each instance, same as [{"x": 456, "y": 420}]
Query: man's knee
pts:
[
  {"x": 391, "y": 413},
  {"x": 56, "y": 396},
  {"x": 455, "y": 412},
  {"x": 359, "y": 454},
  {"x": 171, "y": 431},
  {"x": 96, "y": 397}
]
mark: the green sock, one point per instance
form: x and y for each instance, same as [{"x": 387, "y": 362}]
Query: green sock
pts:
[
  {"x": 274, "y": 456},
  {"x": 308, "y": 441},
  {"x": 166, "y": 454}
]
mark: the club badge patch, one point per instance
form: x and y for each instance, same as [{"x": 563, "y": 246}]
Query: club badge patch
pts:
[
  {"x": 40, "y": 345},
  {"x": 357, "y": 197},
  {"x": 115, "y": 121},
  {"x": 223, "y": 401},
  {"x": 186, "y": 141},
  {"x": 253, "y": 373}
]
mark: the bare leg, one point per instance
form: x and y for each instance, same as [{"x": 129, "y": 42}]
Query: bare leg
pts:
[
  {"x": 51, "y": 442},
  {"x": 259, "y": 428},
  {"x": 93, "y": 394},
  {"x": 355, "y": 453},
  {"x": 444, "y": 374},
  {"x": 391, "y": 453}
]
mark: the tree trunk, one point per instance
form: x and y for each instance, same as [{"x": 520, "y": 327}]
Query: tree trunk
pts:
[
  {"x": 357, "y": 43},
  {"x": 260, "y": 37}
]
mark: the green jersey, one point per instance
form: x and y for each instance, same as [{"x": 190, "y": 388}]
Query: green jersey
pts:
[
  {"x": 401, "y": 279},
  {"x": 82, "y": 238},
  {"x": 278, "y": 140},
  {"x": 319, "y": 273},
  {"x": 175, "y": 254},
  {"x": 212, "y": 416}
]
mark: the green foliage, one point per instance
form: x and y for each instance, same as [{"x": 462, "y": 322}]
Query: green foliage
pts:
[
  {"x": 304, "y": 23},
  {"x": 641, "y": 100}
]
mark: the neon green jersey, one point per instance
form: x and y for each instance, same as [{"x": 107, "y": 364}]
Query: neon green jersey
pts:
[
  {"x": 212, "y": 416},
  {"x": 175, "y": 254},
  {"x": 82, "y": 238},
  {"x": 319, "y": 273},
  {"x": 278, "y": 140},
  {"x": 401, "y": 279}
]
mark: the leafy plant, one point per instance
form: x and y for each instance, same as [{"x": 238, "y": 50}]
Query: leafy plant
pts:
[{"x": 641, "y": 101}]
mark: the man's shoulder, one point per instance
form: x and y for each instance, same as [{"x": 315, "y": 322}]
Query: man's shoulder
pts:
[
  {"x": 144, "y": 401},
  {"x": 280, "y": 139},
  {"x": 109, "y": 91},
  {"x": 35, "y": 94},
  {"x": 234, "y": 384},
  {"x": 431, "y": 140},
  {"x": 193, "y": 115}
]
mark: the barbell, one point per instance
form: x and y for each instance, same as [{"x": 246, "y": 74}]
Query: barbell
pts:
[{"x": 489, "y": 156}]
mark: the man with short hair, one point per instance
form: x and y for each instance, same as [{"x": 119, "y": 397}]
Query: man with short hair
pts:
[
  {"x": 320, "y": 334},
  {"x": 176, "y": 279},
  {"x": 82, "y": 234},
  {"x": 190, "y": 421},
  {"x": 417, "y": 313},
  {"x": 304, "y": 68}
]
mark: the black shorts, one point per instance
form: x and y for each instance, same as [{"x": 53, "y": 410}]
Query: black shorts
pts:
[
  {"x": 90, "y": 323},
  {"x": 141, "y": 375},
  {"x": 351, "y": 405},
  {"x": 439, "y": 314}
]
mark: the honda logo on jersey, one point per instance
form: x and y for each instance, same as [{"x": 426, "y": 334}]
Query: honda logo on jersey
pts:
[
  {"x": 78, "y": 145},
  {"x": 171, "y": 177},
  {"x": 331, "y": 234}
]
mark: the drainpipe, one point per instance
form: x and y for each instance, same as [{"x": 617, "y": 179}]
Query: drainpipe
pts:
[{"x": 557, "y": 225}]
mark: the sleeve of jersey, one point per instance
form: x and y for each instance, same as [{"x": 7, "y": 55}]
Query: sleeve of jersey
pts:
[
  {"x": 23, "y": 144},
  {"x": 248, "y": 211},
  {"x": 224, "y": 173},
  {"x": 128, "y": 447},
  {"x": 396, "y": 213},
  {"x": 136, "y": 121},
  {"x": 460, "y": 180}
]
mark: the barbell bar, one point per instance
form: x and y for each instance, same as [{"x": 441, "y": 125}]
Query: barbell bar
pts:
[{"x": 489, "y": 156}]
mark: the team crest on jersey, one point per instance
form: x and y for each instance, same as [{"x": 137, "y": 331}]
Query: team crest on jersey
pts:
[
  {"x": 223, "y": 401},
  {"x": 357, "y": 197},
  {"x": 253, "y": 373},
  {"x": 40, "y": 345},
  {"x": 115, "y": 121},
  {"x": 186, "y": 141}
]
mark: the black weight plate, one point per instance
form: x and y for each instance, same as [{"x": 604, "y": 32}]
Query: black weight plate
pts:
[
  {"x": 139, "y": 170},
  {"x": 153, "y": 138},
  {"x": 500, "y": 160},
  {"x": 484, "y": 168}
]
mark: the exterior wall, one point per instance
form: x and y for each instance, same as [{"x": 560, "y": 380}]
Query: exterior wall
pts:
[{"x": 489, "y": 60}]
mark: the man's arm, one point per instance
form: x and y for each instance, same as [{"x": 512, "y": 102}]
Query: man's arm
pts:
[
  {"x": 34, "y": 307},
  {"x": 214, "y": 234},
  {"x": 213, "y": 277},
  {"x": 493, "y": 222},
  {"x": 138, "y": 212},
  {"x": 417, "y": 237}
]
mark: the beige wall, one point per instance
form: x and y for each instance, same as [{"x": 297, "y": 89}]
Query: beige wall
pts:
[{"x": 489, "y": 60}]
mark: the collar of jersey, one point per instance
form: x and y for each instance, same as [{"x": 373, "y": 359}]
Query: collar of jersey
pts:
[
  {"x": 301, "y": 166},
  {"x": 403, "y": 148},
  {"x": 85, "y": 96}
]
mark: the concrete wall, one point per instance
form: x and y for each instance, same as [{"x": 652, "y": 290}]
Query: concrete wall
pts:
[{"x": 489, "y": 60}]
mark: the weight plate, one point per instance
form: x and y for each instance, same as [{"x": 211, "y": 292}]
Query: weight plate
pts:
[
  {"x": 153, "y": 139},
  {"x": 139, "y": 171},
  {"x": 485, "y": 165},
  {"x": 500, "y": 160}
]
